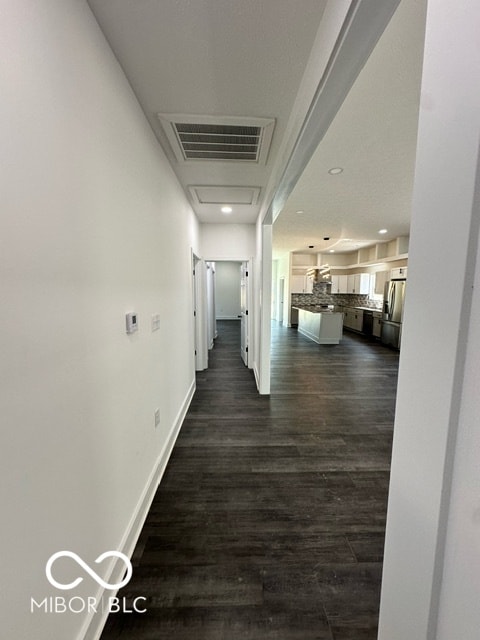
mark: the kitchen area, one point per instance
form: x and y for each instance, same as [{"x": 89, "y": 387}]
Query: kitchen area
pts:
[{"x": 363, "y": 295}]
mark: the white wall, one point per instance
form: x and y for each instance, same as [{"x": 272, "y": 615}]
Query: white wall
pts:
[
  {"x": 431, "y": 579},
  {"x": 93, "y": 224},
  {"x": 228, "y": 241},
  {"x": 459, "y": 613},
  {"x": 227, "y": 290}
]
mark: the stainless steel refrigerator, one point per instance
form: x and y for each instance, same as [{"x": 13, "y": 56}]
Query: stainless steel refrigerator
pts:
[{"x": 393, "y": 302}]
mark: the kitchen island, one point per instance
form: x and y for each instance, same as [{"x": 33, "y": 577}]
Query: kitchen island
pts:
[{"x": 321, "y": 325}]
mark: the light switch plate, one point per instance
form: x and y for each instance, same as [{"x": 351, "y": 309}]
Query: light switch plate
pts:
[{"x": 155, "y": 322}]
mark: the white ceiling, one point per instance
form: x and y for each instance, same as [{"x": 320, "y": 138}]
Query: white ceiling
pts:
[
  {"x": 373, "y": 138},
  {"x": 265, "y": 59}
]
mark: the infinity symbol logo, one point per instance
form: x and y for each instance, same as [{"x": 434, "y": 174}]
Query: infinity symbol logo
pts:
[{"x": 84, "y": 565}]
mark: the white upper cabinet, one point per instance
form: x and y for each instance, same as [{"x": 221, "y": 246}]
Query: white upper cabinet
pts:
[
  {"x": 308, "y": 284},
  {"x": 339, "y": 284},
  {"x": 358, "y": 283},
  {"x": 354, "y": 283},
  {"x": 400, "y": 272},
  {"x": 301, "y": 264},
  {"x": 301, "y": 284}
]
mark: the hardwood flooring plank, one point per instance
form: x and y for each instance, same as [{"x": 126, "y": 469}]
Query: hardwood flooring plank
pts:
[
  {"x": 269, "y": 521},
  {"x": 350, "y": 594},
  {"x": 268, "y": 622}
]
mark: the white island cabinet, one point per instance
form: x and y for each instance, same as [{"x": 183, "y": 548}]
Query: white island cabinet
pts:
[{"x": 323, "y": 327}]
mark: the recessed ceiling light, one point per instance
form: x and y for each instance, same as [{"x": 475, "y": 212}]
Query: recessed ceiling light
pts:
[
  {"x": 382, "y": 231},
  {"x": 331, "y": 251},
  {"x": 226, "y": 209},
  {"x": 335, "y": 171},
  {"x": 299, "y": 211}
]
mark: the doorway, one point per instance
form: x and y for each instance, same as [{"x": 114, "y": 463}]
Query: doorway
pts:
[
  {"x": 244, "y": 312},
  {"x": 228, "y": 298}
]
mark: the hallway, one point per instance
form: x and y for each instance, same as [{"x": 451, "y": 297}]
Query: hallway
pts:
[{"x": 269, "y": 521}]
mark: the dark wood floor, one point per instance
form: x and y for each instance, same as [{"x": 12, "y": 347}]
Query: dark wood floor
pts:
[{"x": 269, "y": 522}]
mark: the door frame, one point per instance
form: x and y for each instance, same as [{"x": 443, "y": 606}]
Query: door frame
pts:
[
  {"x": 245, "y": 312},
  {"x": 199, "y": 312},
  {"x": 249, "y": 261},
  {"x": 280, "y": 299}
]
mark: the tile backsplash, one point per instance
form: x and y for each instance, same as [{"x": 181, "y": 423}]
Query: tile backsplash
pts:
[{"x": 321, "y": 295}]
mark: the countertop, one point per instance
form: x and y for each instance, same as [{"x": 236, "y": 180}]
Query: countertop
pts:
[
  {"x": 318, "y": 308},
  {"x": 314, "y": 308}
]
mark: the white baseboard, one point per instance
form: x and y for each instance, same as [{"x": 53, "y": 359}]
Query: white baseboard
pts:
[
  {"x": 256, "y": 373},
  {"x": 93, "y": 627}
]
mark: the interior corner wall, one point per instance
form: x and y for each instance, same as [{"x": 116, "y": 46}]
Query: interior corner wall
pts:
[{"x": 94, "y": 225}]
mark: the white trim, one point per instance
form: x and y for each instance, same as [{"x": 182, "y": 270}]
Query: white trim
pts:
[
  {"x": 256, "y": 374},
  {"x": 251, "y": 312},
  {"x": 430, "y": 580},
  {"x": 265, "y": 309},
  {"x": 225, "y": 193},
  {"x": 93, "y": 626},
  {"x": 201, "y": 319}
]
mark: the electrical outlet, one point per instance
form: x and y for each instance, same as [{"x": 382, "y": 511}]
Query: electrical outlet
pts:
[{"x": 157, "y": 417}]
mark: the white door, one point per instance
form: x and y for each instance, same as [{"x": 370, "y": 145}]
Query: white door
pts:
[
  {"x": 211, "y": 321},
  {"x": 196, "y": 328},
  {"x": 281, "y": 299},
  {"x": 244, "y": 312}
]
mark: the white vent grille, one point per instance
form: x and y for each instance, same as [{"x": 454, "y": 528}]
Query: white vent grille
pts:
[
  {"x": 218, "y": 141},
  {"x": 222, "y": 138}
]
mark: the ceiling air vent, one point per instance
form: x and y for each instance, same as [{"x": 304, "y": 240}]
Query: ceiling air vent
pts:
[{"x": 218, "y": 138}]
